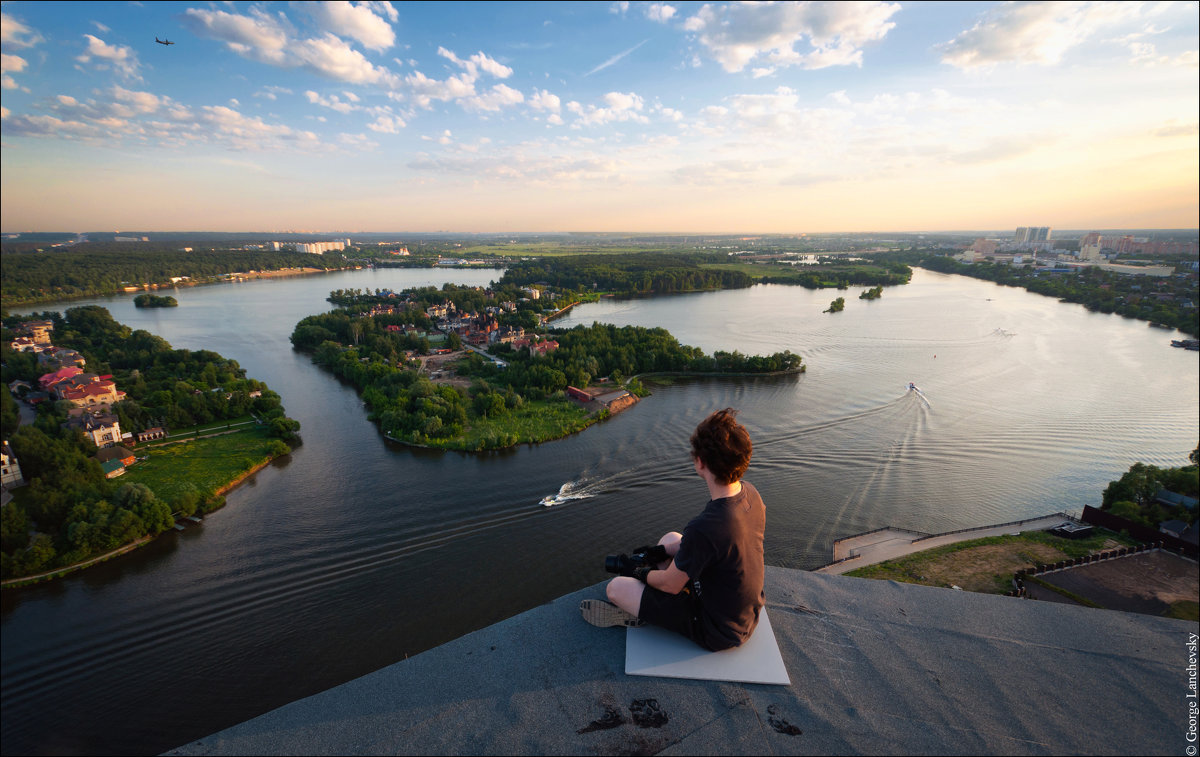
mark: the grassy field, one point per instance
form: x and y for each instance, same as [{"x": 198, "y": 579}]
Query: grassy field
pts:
[
  {"x": 986, "y": 565},
  {"x": 534, "y": 422},
  {"x": 208, "y": 464},
  {"x": 207, "y": 427}
]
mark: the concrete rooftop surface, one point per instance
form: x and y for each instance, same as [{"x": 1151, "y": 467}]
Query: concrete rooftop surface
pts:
[{"x": 877, "y": 667}]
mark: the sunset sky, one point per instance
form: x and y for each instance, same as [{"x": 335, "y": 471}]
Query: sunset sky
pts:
[{"x": 625, "y": 116}]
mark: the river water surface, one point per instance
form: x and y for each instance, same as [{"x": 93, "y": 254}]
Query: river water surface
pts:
[{"x": 354, "y": 552}]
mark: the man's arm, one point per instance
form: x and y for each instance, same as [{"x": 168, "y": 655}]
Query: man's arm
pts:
[{"x": 672, "y": 580}]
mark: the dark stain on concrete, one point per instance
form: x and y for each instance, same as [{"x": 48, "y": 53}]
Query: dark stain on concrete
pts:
[
  {"x": 610, "y": 719},
  {"x": 647, "y": 714},
  {"x": 779, "y": 724}
]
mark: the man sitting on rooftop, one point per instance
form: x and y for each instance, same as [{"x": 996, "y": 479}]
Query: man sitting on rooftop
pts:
[{"x": 706, "y": 583}]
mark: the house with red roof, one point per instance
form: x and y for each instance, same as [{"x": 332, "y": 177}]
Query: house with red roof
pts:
[{"x": 50, "y": 380}]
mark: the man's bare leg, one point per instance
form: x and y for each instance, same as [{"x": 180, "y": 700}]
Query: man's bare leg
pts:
[{"x": 626, "y": 592}]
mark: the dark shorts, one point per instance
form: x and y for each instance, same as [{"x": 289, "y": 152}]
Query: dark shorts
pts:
[{"x": 680, "y": 613}]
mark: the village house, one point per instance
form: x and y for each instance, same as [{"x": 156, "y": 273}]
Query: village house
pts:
[
  {"x": 95, "y": 393},
  {"x": 10, "y": 469},
  {"x": 113, "y": 468},
  {"x": 50, "y": 380},
  {"x": 118, "y": 453},
  {"x": 25, "y": 344},
  {"x": 38, "y": 330},
  {"x": 60, "y": 357},
  {"x": 151, "y": 434},
  {"x": 103, "y": 429}
]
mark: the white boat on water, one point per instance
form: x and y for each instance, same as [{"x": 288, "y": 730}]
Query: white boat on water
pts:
[{"x": 549, "y": 501}]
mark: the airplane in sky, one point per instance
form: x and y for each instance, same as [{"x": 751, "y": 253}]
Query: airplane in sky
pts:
[{"x": 163, "y": 41}]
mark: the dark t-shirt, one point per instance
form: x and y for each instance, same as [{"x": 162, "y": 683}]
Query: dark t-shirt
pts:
[{"x": 722, "y": 553}]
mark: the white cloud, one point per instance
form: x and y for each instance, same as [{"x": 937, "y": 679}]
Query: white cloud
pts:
[
  {"x": 355, "y": 21},
  {"x": 121, "y": 58},
  {"x": 670, "y": 114},
  {"x": 499, "y": 96},
  {"x": 263, "y": 38},
  {"x": 618, "y": 106},
  {"x": 424, "y": 90},
  {"x": 357, "y": 142},
  {"x": 16, "y": 34},
  {"x": 460, "y": 87},
  {"x": 386, "y": 124},
  {"x": 619, "y": 8},
  {"x": 832, "y": 34},
  {"x": 544, "y": 100},
  {"x": 332, "y": 57},
  {"x": 48, "y": 126},
  {"x": 1032, "y": 32},
  {"x": 660, "y": 12},
  {"x": 138, "y": 103},
  {"x": 257, "y": 36},
  {"x": 477, "y": 63},
  {"x": 11, "y": 64},
  {"x": 761, "y": 72},
  {"x": 333, "y": 102}
]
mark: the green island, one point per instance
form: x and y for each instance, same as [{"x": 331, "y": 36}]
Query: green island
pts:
[
  {"x": 873, "y": 293},
  {"x": 198, "y": 425},
  {"x": 493, "y": 384},
  {"x": 154, "y": 301},
  {"x": 837, "y": 305}
]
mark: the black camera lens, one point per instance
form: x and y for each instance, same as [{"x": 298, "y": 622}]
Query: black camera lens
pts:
[{"x": 614, "y": 563}]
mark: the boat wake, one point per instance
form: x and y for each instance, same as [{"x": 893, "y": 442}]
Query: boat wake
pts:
[
  {"x": 572, "y": 490},
  {"x": 913, "y": 388}
]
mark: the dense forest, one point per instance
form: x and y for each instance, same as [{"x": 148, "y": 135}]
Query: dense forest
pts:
[
  {"x": 96, "y": 269},
  {"x": 880, "y": 270},
  {"x": 1168, "y": 301},
  {"x": 639, "y": 273},
  {"x": 412, "y": 408},
  {"x": 69, "y": 511}
]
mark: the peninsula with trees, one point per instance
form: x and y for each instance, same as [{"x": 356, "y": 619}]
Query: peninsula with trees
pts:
[
  {"x": 130, "y": 437},
  {"x": 472, "y": 368}
]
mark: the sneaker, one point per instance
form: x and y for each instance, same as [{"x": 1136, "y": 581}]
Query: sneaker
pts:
[{"x": 604, "y": 614}]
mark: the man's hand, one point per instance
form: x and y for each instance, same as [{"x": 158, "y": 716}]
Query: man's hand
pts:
[{"x": 642, "y": 573}]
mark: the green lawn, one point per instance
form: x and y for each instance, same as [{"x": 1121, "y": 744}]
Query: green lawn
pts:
[
  {"x": 207, "y": 464},
  {"x": 534, "y": 422},
  {"x": 206, "y": 427}
]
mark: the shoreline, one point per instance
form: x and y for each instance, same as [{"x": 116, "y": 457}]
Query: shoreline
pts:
[
  {"x": 20, "y": 581},
  {"x": 240, "y": 277}
]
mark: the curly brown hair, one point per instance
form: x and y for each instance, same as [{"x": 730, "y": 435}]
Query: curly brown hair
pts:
[{"x": 723, "y": 445}]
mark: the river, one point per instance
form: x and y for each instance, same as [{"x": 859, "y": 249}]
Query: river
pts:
[{"x": 354, "y": 552}]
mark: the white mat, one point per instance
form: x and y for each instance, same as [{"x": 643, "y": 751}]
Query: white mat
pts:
[{"x": 652, "y": 651}]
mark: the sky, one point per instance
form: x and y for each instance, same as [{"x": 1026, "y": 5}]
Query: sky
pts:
[{"x": 599, "y": 116}]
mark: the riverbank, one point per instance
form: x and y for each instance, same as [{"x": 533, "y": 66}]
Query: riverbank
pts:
[
  {"x": 225, "y": 278},
  {"x": 208, "y": 454},
  {"x": 13, "y": 583}
]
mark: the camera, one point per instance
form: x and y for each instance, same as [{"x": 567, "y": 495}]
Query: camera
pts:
[{"x": 625, "y": 565}]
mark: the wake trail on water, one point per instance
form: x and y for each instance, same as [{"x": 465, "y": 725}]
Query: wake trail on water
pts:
[{"x": 909, "y": 417}]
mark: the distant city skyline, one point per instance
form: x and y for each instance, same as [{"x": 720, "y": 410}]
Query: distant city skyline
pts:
[{"x": 643, "y": 117}]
